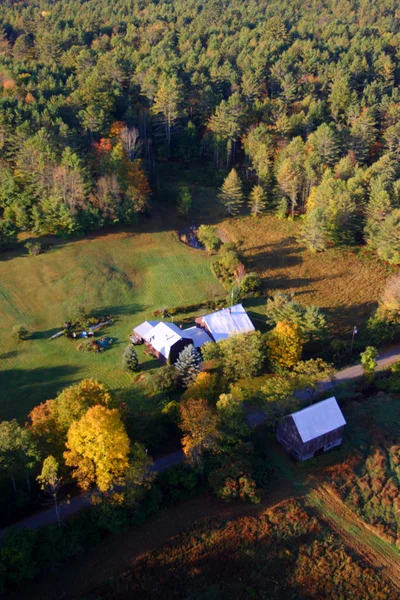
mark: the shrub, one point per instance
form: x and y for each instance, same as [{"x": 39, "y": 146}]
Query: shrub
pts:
[
  {"x": 224, "y": 268},
  {"x": 20, "y": 333},
  {"x": 211, "y": 351},
  {"x": 368, "y": 361},
  {"x": 165, "y": 379},
  {"x": 250, "y": 283},
  {"x": 233, "y": 477},
  {"x": 129, "y": 359},
  {"x": 34, "y": 248},
  {"x": 207, "y": 235},
  {"x": 89, "y": 346}
]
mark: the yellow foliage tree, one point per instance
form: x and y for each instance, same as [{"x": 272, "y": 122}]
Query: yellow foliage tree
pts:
[
  {"x": 206, "y": 386},
  {"x": 98, "y": 449},
  {"x": 284, "y": 345},
  {"x": 50, "y": 421},
  {"x": 199, "y": 425}
]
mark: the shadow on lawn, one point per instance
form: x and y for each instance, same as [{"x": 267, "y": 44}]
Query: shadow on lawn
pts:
[{"x": 29, "y": 387}]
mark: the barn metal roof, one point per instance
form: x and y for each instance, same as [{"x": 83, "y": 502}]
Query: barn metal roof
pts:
[
  {"x": 163, "y": 336},
  {"x": 198, "y": 335},
  {"x": 227, "y": 321},
  {"x": 145, "y": 329},
  {"x": 318, "y": 419}
]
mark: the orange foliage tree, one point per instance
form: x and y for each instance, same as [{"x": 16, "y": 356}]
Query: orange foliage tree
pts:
[{"x": 199, "y": 425}]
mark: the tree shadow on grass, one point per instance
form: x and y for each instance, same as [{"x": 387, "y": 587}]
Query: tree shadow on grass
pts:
[
  {"x": 7, "y": 355},
  {"x": 116, "y": 310},
  {"x": 150, "y": 364},
  {"x": 43, "y": 335},
  {"x": 23, "y": 389}
]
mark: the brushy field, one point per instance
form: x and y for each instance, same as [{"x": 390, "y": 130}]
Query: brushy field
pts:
[
  {"x": 125, "y": 274},
  {"x": 283, "y": 552},
  {"x": 346, "y": 283},
  {"x": 368, "y": 481}
]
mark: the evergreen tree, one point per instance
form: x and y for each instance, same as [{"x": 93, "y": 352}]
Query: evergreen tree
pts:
[
  {"x": 226, "y": 122},
  {"x": 231, "y": 193},
  {"x": 130, "y": 360},
  {"x": 378, "y": 209},
  {"x": 314, "y": 232},
  {"x": 324, "y": 145},
  {"x": 166, "y": 107},
  {"x": 188, "y": 365},
  {"x": 388, "y": 244},
  {"x": 257, "y": 200}
]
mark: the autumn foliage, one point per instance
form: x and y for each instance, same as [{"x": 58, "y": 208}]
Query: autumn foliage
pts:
[
  {"x": 98, "y": 449},
  {"x": 283, "y": 552},
  {"x": 284, "y": 345},
  {"x": 199, "y": 426}
]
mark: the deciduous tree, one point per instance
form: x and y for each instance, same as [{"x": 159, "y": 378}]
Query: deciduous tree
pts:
[
  {"x": 51, "y": 482},
  {"x": 98, "y": 449},
  {"x": 284, "y": 346},
  {"x": 199, "y": 425}
]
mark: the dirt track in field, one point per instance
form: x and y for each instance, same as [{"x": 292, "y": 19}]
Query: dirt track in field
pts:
[{"x": 355, "y": 534}]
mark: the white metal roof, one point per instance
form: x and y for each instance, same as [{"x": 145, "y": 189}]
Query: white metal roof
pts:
[
  {"x": 164, "y": 336},
  {"x": 318, "y": 419},
  {"x": 145, "y": 329},
  {"x": 227, "y": 321},
  {"x": 198, "y": 335}
]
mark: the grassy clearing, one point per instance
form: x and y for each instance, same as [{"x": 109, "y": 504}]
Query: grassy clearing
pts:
[
  {"x": 126, "y": 274},
  {"x": 346, "y": 283}
]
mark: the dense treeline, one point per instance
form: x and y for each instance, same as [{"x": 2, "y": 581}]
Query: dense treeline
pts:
[{"x": 303, "y": 99}]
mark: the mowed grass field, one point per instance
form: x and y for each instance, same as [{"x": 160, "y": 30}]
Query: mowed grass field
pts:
[
  {"x": 127, "y": 274},
  {"x": 346, "y": 283}
]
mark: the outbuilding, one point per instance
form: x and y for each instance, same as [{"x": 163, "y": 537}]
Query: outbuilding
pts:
[
  {"x": 313, "y": 430},
  {"x": 229, "y": 321}
]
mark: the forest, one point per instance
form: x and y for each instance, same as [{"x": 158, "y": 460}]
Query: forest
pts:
[
  {"x": 273, "y": 130},
  {"x": 298, "y": 102}
]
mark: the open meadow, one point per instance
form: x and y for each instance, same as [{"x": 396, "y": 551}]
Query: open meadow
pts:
[
  {"x": 126, "y": 274},
  {"x": 346, "y": 283},
  {"x": 131, "y": 273}
]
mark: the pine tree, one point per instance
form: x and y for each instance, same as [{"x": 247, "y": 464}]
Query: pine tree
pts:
[
  {"x": 188, "y": 365},
  {"x": 314, "y": 232},
  {"x": 257, "y": 200},
  {"x": 166, "y": 107},
  {"x": 324, "y": 145},
  {"x": 231, "y": 193},
  {"x": 129, "y": 359},
  {"x": 378, "y": 209}
]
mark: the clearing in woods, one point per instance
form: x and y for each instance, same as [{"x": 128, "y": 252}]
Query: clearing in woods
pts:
[
  {"x": 125, "y": 274},
  {"x": 130, "y": 274},
  {"x": 347, "y": 283}
]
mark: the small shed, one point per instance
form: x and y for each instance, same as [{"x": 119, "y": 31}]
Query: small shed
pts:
[{"x": 313, "y": 430}]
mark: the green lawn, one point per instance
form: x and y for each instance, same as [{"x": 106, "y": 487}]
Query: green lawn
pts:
[{"x": 127, "y": 274}]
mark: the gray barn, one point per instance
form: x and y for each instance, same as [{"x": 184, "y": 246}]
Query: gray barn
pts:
[{"x": 313, "y": 430}]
